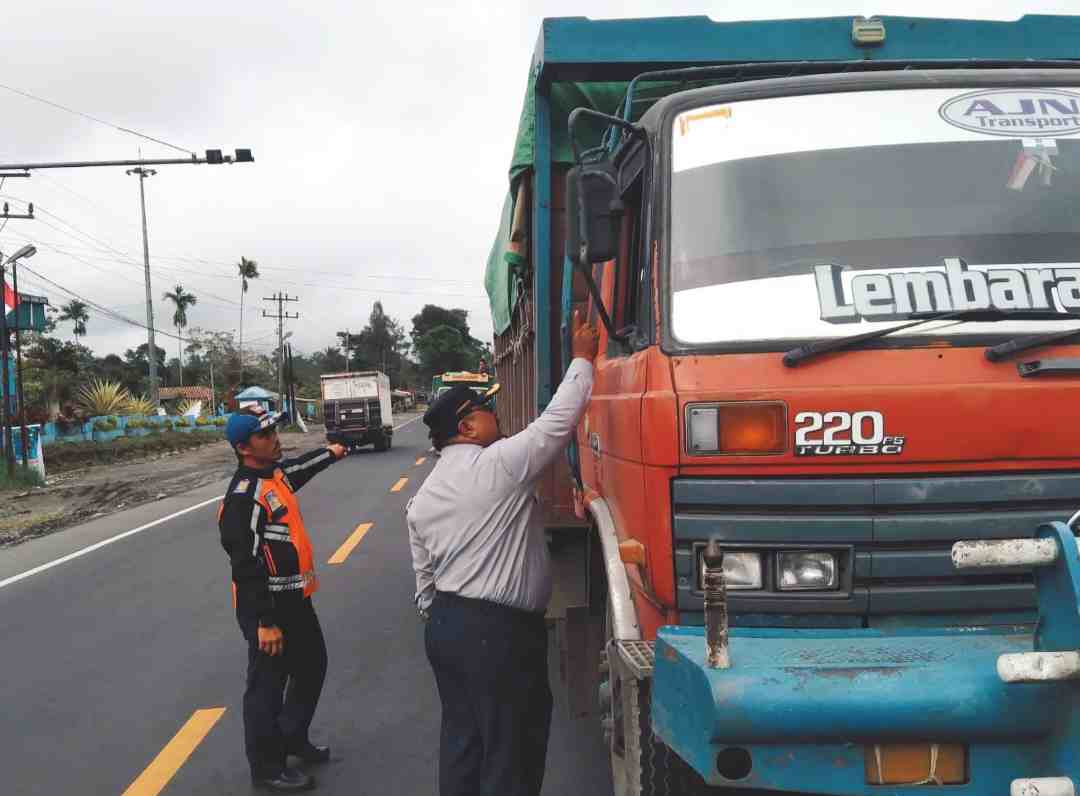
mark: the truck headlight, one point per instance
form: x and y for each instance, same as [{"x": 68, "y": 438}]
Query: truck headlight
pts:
[
  {"x": 741, "y": 570},
  {"x": 806, "y": 570}
]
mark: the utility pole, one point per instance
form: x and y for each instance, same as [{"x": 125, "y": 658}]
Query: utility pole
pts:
[
  {"x": 347, "y": 350},
  {"x": 151, "y": 349},
  {"x": 292, "y": 385},
  {"x": 282, "y": 316}
]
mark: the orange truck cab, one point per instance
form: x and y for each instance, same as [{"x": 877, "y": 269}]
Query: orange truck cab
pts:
[{"x": 814, "y": 532}]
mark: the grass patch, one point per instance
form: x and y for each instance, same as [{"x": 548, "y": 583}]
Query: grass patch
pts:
[
  {"x": 21, "y": 481},
  {"x": 66, "y": 456}
]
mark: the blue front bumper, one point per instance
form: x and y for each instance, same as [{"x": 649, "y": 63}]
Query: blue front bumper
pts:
[{"x": 806, "y": 704}]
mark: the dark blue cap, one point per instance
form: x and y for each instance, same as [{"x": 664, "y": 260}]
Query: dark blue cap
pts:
[
  {"x": 443, "y": 415},
  {"x": 242, "y": 425}
]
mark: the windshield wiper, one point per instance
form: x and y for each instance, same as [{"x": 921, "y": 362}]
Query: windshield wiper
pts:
[
  {"x": 798, "y": 355},
  {"x": 1002, "y": 350}
]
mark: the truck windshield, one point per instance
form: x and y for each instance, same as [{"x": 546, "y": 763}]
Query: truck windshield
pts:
[{"x": 802, "y": 218}]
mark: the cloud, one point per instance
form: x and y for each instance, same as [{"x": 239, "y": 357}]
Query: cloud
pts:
[{"x": 382, "y": 133}]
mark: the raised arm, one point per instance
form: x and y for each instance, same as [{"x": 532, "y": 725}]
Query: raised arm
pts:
[
  {"x": 306, "y": 466},
  {"x": 526, "y": 455}
]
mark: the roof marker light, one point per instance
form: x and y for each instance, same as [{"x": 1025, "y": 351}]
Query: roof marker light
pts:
[{"x": 867, "y": 32}]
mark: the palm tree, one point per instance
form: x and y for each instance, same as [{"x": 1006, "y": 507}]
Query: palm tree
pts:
[
  {"x": 181, "y": 299},
  {"x": 249, "y": 269},
  {"x": 76, "y": 312}
]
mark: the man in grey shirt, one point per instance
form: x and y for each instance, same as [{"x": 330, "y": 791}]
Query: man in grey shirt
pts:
[{"x": 483, "y": 579}]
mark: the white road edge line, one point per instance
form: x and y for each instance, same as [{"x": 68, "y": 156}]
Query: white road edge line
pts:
[
  {"x": 125, "y": 534},
  {"x": 103, "y": 543}
]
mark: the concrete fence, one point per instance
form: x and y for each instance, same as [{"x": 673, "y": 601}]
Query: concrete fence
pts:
[{"x": 51, "y": 433}]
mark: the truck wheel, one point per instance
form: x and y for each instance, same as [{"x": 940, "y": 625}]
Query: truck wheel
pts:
[
  {"x": 382, "y": 442},
  {"x": 641, "y": 764}
]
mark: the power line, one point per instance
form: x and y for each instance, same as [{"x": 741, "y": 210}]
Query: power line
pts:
[
  {"x": 110, "y": 313},
  {"x": 190, "y": 258},
  {"x": 122, "y": 259},
  {"x": 127, "y": 259},
  {"x": 44, "y": 101},
  {"x": 88, "y": 262}
]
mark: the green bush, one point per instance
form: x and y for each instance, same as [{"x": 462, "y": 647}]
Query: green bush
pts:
[
  {"x": 104, "y": 397},
  {"x": 182, "y": 422},
  {"x": 167, "y": 426},
  {"x": 23, "y": 479},
  {"x": 220, "y": 421},
  {"x": 61, "y": 457},
  {"x": 105, "y": 424},
  {"x": 136, "y": 423},
  {"x": 202, "y": 421}
]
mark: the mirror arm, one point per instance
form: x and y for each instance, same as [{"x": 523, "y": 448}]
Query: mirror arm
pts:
[
  {"x": 577, "y": 113},
  {"x": 594, "y": 291}
]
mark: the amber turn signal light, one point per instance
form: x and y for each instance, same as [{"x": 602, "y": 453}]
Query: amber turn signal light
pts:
[
  {"x": 632, "y": 552},
  {"x": 737, "y": 427}
]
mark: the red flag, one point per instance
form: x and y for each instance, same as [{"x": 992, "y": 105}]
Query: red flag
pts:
[{"x": 10, "y": 299}]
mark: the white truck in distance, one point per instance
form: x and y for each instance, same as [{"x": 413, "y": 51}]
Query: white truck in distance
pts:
[{"x": 358, "y": 409}]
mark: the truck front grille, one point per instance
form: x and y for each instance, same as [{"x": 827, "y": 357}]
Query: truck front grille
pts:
[{"x": 894, "y": 535}]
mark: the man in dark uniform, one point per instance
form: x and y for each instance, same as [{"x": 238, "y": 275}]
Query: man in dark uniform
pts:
[{"x": 273, "y": 576}]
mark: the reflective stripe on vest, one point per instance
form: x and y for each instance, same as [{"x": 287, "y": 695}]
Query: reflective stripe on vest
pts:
[
  {"x": 286, "y": 524},
  {"x": 290, "y": 582}
]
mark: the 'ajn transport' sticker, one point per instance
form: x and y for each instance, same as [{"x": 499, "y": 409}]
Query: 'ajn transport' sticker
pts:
[
  {"x": 1019, "y": 112},
  {"x": 844, "y": 434}
]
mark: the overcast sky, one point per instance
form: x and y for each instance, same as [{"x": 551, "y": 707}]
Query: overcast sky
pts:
[{"x": 382, "y": 134}]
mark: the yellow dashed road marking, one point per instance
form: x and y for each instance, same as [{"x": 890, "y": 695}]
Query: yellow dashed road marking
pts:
[
  {"x": 421, "y": 460},
  {"x": 157, "y": 775},
  {"x": 399, "y": 485},
  {"x": 353, "y": 540}
]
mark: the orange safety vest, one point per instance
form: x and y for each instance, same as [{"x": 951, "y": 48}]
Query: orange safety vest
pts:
[
  {"x": 292, "y": 569},
  {"x": 276, "y": 497}
]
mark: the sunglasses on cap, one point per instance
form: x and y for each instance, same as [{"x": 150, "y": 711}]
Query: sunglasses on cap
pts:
[{"x": 478, "y": 402}]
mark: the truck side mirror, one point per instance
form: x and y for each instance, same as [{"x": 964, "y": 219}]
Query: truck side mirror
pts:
[{"x": 593, "y": 213}]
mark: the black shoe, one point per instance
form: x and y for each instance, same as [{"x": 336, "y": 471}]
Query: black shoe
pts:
[
  {"x": 310, "y": 753},
  {"x": 288, "y": 781}
]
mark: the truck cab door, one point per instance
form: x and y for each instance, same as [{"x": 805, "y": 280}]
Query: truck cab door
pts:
[{"x": 612, "y": 430}]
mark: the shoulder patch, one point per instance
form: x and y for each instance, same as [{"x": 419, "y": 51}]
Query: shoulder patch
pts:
[
  {"x": 242, "y": 486},
  {"x": 273, "y": 500}
]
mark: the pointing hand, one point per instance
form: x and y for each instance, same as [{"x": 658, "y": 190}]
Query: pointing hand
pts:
[{"x": 586, "y": 339}]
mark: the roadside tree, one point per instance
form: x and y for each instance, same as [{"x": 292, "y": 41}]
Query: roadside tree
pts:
[{"x": 181, "y": 300}]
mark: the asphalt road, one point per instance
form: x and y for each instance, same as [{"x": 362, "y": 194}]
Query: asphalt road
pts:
[{"x": 105, "y": 657}]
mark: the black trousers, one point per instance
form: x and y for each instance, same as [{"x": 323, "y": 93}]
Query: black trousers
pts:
[
  {"x": 282, "y": 691},
  {"x": 490, "y": 664}
]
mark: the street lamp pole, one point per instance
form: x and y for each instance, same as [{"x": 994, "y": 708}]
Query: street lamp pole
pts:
[{"x": 151, "y": 349}]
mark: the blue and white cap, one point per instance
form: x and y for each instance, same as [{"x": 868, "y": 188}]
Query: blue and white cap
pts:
[{"x": 242, "y": 425}]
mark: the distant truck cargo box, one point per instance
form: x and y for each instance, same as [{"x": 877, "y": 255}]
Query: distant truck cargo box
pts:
[
  {"x": 358, "y": 409},
  {"x": 343, "y": 386}
]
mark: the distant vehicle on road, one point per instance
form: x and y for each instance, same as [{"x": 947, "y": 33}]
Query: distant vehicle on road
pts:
[
  {"x": 444, "y": 381},
  {"x": 358, "y": 409}
]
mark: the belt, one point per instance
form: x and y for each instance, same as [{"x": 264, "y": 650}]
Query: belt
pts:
[{"x": 489, "y": 606}]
